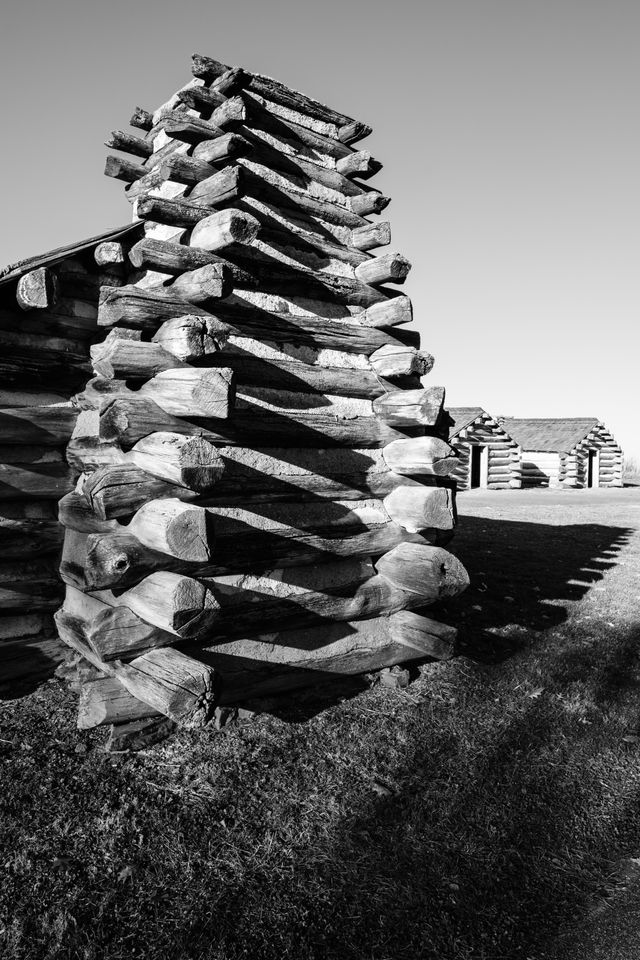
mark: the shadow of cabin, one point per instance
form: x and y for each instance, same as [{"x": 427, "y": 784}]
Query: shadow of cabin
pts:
[{"x": 516, "y": 587}]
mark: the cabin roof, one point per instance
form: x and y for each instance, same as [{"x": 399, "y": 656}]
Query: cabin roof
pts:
[
  {"x": 13, "y": 271},
  {"x": 462, "y": 417},
  {"x": 553, "y": 434}
]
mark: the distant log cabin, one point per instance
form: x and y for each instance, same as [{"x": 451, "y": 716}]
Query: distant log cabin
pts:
[
  {"x": 566, "y": 452},
  {"x": 488, "y": 456}
]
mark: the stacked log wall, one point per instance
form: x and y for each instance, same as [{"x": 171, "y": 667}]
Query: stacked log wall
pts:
[
  {"x": 48, "y": 318},
  {"x": 257, "y": 449}
]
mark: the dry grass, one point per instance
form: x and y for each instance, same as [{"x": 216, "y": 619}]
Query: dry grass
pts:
[{"x": 475, "y": 815}]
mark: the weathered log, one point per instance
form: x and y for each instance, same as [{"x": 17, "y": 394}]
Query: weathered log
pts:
[
  {"x": 191, "y": 337},
  {"x": 118, "y": 633},
  {"x": 389, "y": 313},
  {"x": 198, "y": 286},
  {"x": 222, "y": 187},
  {"x": 191, "y": 462},
  {"x": 222, "y": 149},
  {"x": 295, "y": 376},
  {"x": 223, "y": 228},
  {"x": 231, "y": 81},
  {"x": 367, "y": 203},
  {"x": 45, "y": 426},
  {"x": 76, "y": 513},
  {"x": 406, "y": 408},
  {"x": 360, "y": 163},
  {"x": 371, "y": 235},
  {"x": 145, "y": 310},
  {"x": 174, "y": 258},
  {"x": 173, "y": 684},
  {"x": 129, "y": 359},
  {"x": 29, "y": 585},
  {"x": 182, "y": 169},
  {"x": 393, "y": 360},
  {"x": 417, "y": 508},
  {"x": 142, "y": 119},
  {"x": 123, "y": 169},
  {"x": 193, "y": 130},
  {"x": 105, "y": 700},
  {"x": 180, "y": 391},
  {"x": 417, "y": 566},
  {"x": 38, "y": 338},
  {"x": 252, "y": 668},
  {"x": 354, "y": 131},
  {"x": 175, "y": 528},
  {"x": 85, "y": 450},
  {"x": 128, "y": 420},
  {"x": 297, "y": 238},
  {"x": 20, "y": 510},
  {"x": 170, "y": 682},
  {"x": 41, "y": 481},
  {"x": 24, "y": 625},
  {"x": 200, "y": 98},
  {"x": 390, "y": 267},
  {"x": 15, "y": 397},
  {"x": 25, "y": 538},
  {"x": 119, "y": 140},
  {"x": 177, "y": 604},
  {"x": 38, "y": 289},
  {"x": 421, "y": 456},
  {"x": 121, "y": 489},
  {"x": 110, "y": 254}
]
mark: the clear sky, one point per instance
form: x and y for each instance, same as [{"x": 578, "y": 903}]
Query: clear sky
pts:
[{"x": 510, "y": 136}]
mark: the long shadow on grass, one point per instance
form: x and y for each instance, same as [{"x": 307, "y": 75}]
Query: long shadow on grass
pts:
[{"x": 523, "y": 575}]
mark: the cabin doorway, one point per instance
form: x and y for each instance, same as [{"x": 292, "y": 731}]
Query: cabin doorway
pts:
[
  {"x": 593, "y": 468},
  {"x": 479, "y": 461}
]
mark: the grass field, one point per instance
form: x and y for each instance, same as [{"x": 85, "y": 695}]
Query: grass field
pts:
[{"x": 489, "y": 811}]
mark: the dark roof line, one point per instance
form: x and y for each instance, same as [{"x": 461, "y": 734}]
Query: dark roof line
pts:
[{"x": 14, "y": 271}]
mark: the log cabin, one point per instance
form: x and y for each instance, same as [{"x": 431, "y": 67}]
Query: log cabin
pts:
[
  {"x": 488, "y": 457},
  {"x": 566, "y": 452},
  {"x": 48, "y": 319},
  {"x": 259, "y": 494}
]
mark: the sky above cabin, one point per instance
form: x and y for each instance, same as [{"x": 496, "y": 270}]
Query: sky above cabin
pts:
[{"x": 510, "y": 137}]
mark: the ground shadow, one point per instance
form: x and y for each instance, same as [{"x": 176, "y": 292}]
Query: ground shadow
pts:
[{"x": 522, "y": 576}]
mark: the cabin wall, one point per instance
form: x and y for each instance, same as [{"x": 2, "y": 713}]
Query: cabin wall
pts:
[
  {"x": 575, "y": 472},
  {"x": 44, "y": 360},
  {"x": 503, "y": 457}
]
